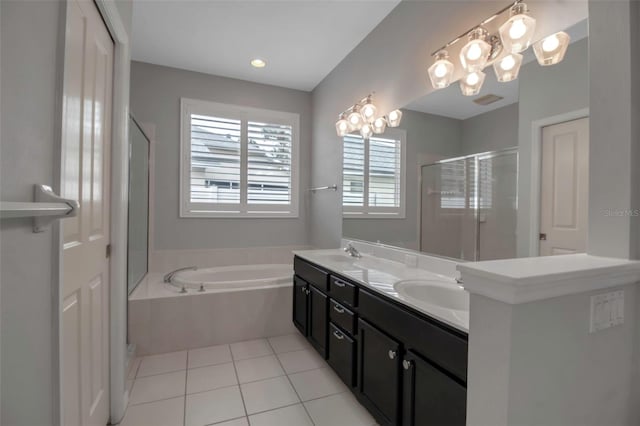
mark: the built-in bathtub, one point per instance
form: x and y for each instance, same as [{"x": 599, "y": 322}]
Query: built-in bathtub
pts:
[{"x": 221, "y": 305}]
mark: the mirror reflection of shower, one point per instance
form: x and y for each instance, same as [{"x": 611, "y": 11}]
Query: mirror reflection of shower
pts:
[{"x": 469, "y": 206}]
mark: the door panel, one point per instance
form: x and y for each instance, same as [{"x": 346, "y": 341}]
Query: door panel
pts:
[
  {"x": 379, "y": 372},
  {"x": 318, "y": 322},
  {"x": 85, "y": 159},
  {"x": 564, "y": 188},
  {"x": 430, "y": 397},
  {"x": 300, "y": 305}
]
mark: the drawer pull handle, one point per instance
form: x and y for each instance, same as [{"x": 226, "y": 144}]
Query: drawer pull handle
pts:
[
  {"x": 338, "y": 309},
  {"x": 392, "y": 354},
  {"x": 338, "y": 335},
  {"x": 406, "y": 364},
  {"x": 339, "y": 283}
]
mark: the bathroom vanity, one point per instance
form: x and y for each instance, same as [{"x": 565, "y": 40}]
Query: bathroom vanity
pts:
[{"x": 404, "y": 364}]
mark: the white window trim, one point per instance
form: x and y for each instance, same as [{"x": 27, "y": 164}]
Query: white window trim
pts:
[
  {"x": 356, "y": 212},
  {"x": 243, "y": 209}
]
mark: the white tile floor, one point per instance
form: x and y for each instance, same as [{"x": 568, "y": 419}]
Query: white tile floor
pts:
[{"x": 280, "y": 381}]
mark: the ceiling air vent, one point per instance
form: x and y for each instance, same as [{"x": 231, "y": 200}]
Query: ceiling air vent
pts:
[{"x": 487, "y": 99}]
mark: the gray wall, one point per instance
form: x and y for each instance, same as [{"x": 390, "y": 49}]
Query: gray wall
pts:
[
  {"x": 155, "y": 99},
  {"x": 429, "y": 138},
  {"x": 546, "y": 92},
  {"x": 491, "y": 131},
  {"x": 31, "y": 34}
]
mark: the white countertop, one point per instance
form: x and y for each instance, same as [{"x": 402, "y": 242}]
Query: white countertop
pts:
[
  {"x": 524, "y": 280},
  {"x": 380, "y": 275}
]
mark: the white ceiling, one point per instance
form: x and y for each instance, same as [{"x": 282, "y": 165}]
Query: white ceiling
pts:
[
  {"x": 301, "y": 40},
  {"x": 450, "y": 102}
]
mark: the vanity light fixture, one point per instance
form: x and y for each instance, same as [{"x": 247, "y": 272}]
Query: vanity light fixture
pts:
[
  {"x": 507, "y": 67},
  {"x": 361, "y": 117},
  {"x": 475, "y": 54},
  {"x": 258, "y": 63},
  {"x": 441, "y": 71},
  {"x": 517, "y": 32},
  {"x": 342, "y": 125},
  {"x": 379, "y": 125},
  {"x": 550, "y": 50},
  {"x": 366, "y": 131},
  {"x": 501, "y": 50},
  {"x": 471, "y": 83},
  {"x": 394, "y": 117}
]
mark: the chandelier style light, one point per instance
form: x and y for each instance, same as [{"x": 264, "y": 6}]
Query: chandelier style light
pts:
[
  {"x": 362, "y": 117},
  {"x": 502, "y": 51}
]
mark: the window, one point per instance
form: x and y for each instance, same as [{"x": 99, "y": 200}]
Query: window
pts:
[
  {"x": 238, "y": 161},
  {"x": 373, "y": 175}
]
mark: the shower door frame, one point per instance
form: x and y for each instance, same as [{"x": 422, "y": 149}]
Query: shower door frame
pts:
[{"x": 478, "y": 156}]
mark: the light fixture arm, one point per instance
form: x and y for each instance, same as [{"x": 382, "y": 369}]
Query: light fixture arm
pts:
[{"x": 484, "y": 22}]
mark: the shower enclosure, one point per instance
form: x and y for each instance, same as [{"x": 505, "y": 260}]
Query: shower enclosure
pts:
[{"x": 469, "y": 206}]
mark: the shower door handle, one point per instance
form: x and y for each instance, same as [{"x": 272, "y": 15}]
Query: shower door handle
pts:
[{"x": 543, "y": 237}]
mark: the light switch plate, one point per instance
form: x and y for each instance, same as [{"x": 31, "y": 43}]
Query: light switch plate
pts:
[{"x": 607, "y": 310}]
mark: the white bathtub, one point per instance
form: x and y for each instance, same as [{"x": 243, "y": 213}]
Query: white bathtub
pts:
[{"x": 238, "y": 303}]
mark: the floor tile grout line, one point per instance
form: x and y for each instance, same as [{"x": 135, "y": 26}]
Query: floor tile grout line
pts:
[
  {"x": 186, "y": 377},
  {"x": 293, "y": 387},
  {"x": 244, "y": 404},
  {"x": 229, "y": 420}
]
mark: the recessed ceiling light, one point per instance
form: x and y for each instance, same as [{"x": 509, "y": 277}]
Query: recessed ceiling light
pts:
[{"x": 258, "y": 63}]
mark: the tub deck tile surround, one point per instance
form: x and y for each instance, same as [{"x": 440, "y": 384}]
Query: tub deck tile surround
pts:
[{"x": 216, "y": 393}]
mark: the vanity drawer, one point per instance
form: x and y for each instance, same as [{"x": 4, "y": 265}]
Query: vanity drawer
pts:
[
  {"x": 342, "y": 355},
  {"x": 343, "y": 291},
  {"x": 447, "y": 349},
  {"x": 311, "y": 274},
  {"x": 342, "y": 317}
]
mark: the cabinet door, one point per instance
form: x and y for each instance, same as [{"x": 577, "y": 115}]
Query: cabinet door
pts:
[
  {"x": 300, "y": 304},
  {"x": 318, "y": 320},
  {"x": 379, "y": 373},
  {"x": 342, "y": 350},
  {"x": 430, "y": 396}
]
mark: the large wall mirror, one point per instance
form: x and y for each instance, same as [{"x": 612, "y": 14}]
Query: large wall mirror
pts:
[
  {"x": 498, "y": 175},
  {"x": 138, "y": 226}
]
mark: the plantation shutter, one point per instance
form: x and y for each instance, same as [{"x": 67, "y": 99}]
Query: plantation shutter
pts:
[
  {"x": 453, "y": 185},
  {"x": 384, "y": 172},
  {"x": 353, "y": 171},
  {"x": 269, "y": 163},
  {"x": 215, "y": 160}
]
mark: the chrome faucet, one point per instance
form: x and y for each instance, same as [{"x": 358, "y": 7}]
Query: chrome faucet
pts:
[
  {"x": 353, "y": 252},
  {"x": 168, "y": 277}
]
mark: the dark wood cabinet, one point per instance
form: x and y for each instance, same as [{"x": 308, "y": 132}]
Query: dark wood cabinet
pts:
[
  {"x": 431, "y": 397},
  {"x": 404, "y": 366},
  {"x": 342, "y": 355},
  {"x": 318, "y": 321},
  {"x": 379, "y": 360},
  {"x": 300, "y": 304}
]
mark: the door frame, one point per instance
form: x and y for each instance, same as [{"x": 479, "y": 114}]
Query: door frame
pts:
[
  {"x": 118, "y": 395},
  {"x": 536, "y": 171}
]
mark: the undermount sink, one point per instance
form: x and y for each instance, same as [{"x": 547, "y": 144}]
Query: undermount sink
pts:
[
  {"x": 434, "y": 292},
  {"x": 339, "y": 258}
]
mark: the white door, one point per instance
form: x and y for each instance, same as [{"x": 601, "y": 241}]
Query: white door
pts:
[
  {"x": 86, "y": 148},
  {"x": 564, "y": 188}
]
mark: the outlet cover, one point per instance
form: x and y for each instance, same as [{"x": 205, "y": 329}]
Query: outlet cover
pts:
[{"x": 607, "y": 310}]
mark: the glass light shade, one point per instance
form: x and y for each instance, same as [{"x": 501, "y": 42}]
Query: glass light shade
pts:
[
  {"x": 355, "y": 120},
  {"x": 471, "y": 83},
  {"x": 366, "y": 130},
  {"x": 517, "y": 32},
  {"x": 507, "y": 67},
  {"x": 441, "y": 71},
  {"x": 550, "y": 50},
  {"x": 368, "y": 112},
  {"x": 379, "y": 125},
  {"x": 475, "y": 53},
  {"x": 342, "y": 127},
  {"x": 394, "y": 117}
]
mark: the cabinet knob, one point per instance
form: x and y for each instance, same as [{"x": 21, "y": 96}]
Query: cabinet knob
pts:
[
  {"x": 406, "y": 364},
  {"x": 392, "y": 354}
]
